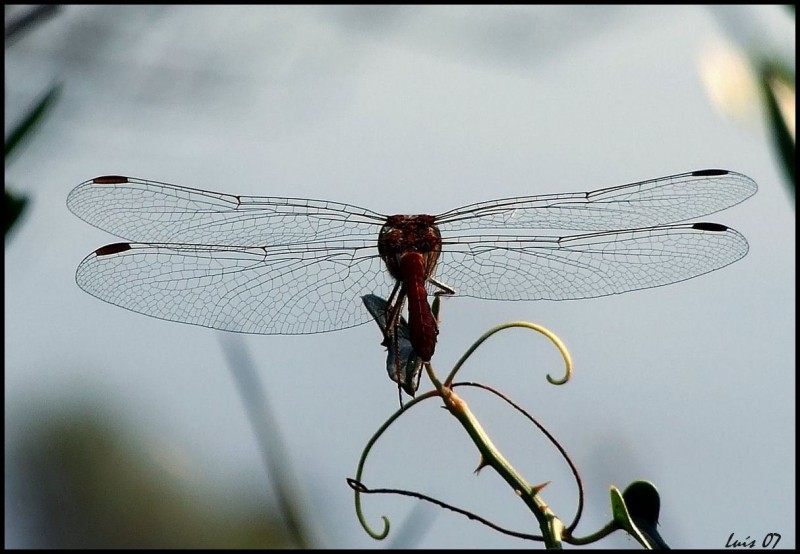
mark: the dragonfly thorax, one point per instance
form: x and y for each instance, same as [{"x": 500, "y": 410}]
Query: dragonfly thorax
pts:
[{"x": 402, "y": 234}]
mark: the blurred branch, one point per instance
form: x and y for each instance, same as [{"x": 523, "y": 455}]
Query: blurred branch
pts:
[{"x": 268, "y": 435}]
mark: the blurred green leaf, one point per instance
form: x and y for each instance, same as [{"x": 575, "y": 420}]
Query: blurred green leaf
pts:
[
  {"x": 89, "y": 480},
  {"x": 24, "y": 19},
  {"x": 29, "y": 122},
  {"x": 782, "y": 138},
  {"x": 15, "y": 204}
]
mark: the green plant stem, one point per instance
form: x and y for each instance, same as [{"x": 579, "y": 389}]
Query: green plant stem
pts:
[{"x": 551, "y": 526}]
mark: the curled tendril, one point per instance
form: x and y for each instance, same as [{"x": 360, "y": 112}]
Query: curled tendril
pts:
[
  {"x": 461, "y": 412},
  {"x": 538, "y": 328},
  {"x": 548, "y": 435},
  {"x": 356, "y": 483}
]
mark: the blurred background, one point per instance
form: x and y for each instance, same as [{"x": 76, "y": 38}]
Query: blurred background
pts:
[{"x": 127, "y": 431}]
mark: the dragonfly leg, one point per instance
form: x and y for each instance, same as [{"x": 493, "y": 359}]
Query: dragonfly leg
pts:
[
  {"x": 443, "y": 289},
  {"x": 390, "y": 333}
]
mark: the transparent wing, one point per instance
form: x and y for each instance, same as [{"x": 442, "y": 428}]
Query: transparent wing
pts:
[
  {"x": 293, "y": 266},
  {"x": 273, "y": 290},
  {"x": 148, "y": 211},
  {"x": 586, "y": 266},
  {"x": 644, "y": 204}
]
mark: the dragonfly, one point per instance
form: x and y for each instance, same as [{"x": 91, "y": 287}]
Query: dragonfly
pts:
[{"x": 282, "y": 265}]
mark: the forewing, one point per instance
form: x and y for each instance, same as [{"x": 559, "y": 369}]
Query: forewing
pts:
[
  {"x": 588, "y": 265},
  {"x": 271, "y": 290},
  {"x": 149, "y": 211},
  {"x": 643, "y": 204}
]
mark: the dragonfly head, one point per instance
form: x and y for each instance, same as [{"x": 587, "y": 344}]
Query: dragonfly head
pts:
[{"x": 409, "y": 233}]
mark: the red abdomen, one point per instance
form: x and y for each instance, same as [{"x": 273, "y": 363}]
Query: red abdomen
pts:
[{"x": 421, "y": 323}]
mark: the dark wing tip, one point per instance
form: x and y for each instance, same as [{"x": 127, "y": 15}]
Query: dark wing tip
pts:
[
  {"x": 710, "y": 172},
  {"x": 110, "y": 249},
  {"x": 715, "y": 227},
  {"x": 110, "y": 180}
]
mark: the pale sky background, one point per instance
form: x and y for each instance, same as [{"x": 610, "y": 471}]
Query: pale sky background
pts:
[{"x": 418, "y": 110}]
